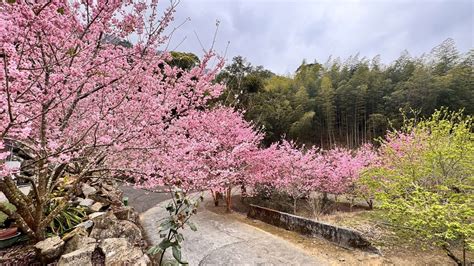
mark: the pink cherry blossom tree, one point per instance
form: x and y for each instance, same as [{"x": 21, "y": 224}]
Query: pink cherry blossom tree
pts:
[
  {"x": 367, "y": 157},
  {"x": 81, "y": 102},
  {"x": 305, "y": 173},
  {"x": 264, "y": 169},
  {"x": 208, "y": 150},
  {"x": 286, "y": 168},
  {"x": 339, "y": 171},
  {"x": 301, "y": 170}
]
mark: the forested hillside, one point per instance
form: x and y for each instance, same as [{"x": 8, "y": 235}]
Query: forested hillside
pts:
[{"x": 348, "y": 102}]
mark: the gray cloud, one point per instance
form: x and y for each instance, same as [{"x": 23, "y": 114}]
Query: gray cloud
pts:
[{"x": 279, "y": 34}]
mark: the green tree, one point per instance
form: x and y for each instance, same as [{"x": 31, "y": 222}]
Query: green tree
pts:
[
  {"x": 426, "y": 179},
  {"x": 445, "y": 57},
  {"x": 351, "y": 101},
  {"x": 185, "y": 61},
  {"x": 242, "y": 81},
  {"x": 326, "y": 97}
]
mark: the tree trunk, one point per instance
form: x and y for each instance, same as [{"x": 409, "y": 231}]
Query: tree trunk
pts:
[
  {"x": 243, "y": 190},
  {"x": 295, "y": 199},
  {"x": 370, "y": 202},
  {"x": 452, "y": 256},
  {"x": 324, "y": 202},
  {"x": 229, "y": 199},
  {"x": 215, "y": 197},
  {"x": 464, "y": 252}
]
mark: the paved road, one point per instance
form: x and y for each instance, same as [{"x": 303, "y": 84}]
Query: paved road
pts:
[
  {"x": 142, "y": 200},
  {"x": 223, "y": 240}
]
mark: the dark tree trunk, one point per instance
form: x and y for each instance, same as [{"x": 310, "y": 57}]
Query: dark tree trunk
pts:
[
  {"x": 229, "y": 199},
  {"x": 452, "y": 256},
  {"x": 215, "y": 197}
]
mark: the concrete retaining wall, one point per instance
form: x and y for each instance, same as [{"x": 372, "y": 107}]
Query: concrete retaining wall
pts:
[{"x": 341, "y": 236}]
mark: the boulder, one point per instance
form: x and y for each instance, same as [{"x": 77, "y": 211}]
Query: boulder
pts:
[
  {"x": 78, "y": 257},
  {"x": 106, "y": 199},
  {"x": 88, "y": 190},
  {"x": 110, "y": 245},
  {"x": 103, "y": 219},
  {"x": 108, "y": 226},
  {"x": 107, "y": 193},
  {"x": 49, "y": 249},
  {"x": 111, "y": 188},
  {"x": 77, "y": 200},
  {"x": 86, "y": 224},
  {"x": 78, "y": 231},
  {"x": 86, "y": 202},
  {"x": 94, "y": 215},
  {"x": 80, "y": 242},
  {"x": 78, "y": 250},
  {"x": 131, "y": 231},
  {"x": 143, "y": 260},
  {"x": 127, "y": 213},
  {"x": 118, "y": 251},
  {"x": 96, "y": 207}
]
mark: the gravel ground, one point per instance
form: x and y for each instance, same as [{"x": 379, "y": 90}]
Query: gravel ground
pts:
[{"x": 20, "y": 254}]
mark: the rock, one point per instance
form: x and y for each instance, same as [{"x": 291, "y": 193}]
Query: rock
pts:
[
  {"x": 109, "y": 245},
  {"x": 86, "y": 224},
  {"x": 86, "y": 202},
  {"x": 95, "y": 214},
  {"x": 127, "y": 213},
  {"x": 143, "y": 260},
  {"x": 78, "y": 257},
  {"x": 131, "y": 231},
  {"x": 88, "y": 190},
  {"x": 78, "y": 250},
  {"x": 96, "y": 207},
  {"x": 77, "y": 200},
  {"x": 68, "y": 182},
  {"x": 80, "y": 242},
  {"x": 108, "y": 226},
  {"x": 107, "y": 192},
  {"x": 106, "y": 199},
  {"x": 78, "y": 231},
  {"x": 118, "y": 251},
  {"x": 49, "y": 249}
]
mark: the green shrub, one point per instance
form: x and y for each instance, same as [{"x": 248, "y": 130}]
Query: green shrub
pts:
[
  {"x": 66, "y": 220},
  {"x": 425, "y": 180}
]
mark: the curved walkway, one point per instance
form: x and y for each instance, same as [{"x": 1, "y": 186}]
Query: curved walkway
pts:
[
  {"x": 142, "y": 200},
  {"x": 222, "y": 240}
]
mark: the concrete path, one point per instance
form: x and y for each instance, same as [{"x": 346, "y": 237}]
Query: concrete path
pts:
[
  {"x": 222, "y": 240},
  {"x": 142, "y": 200}
]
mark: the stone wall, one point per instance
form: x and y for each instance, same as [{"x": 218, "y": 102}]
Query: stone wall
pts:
[
  {"x": 111, "y": 234},
  {"x": 344, "y": 237}
]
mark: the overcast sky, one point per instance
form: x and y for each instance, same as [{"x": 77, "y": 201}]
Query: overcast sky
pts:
[{"x": 279, "y": 34}]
